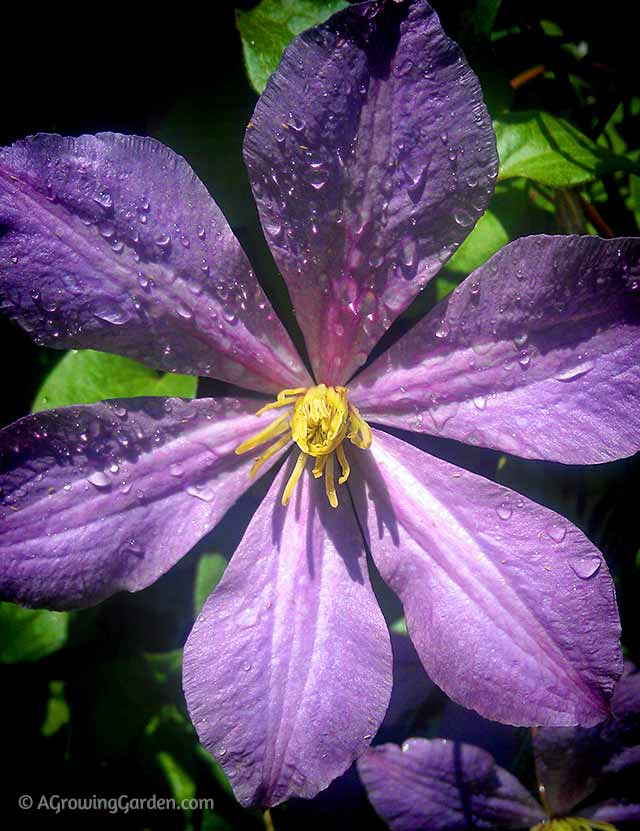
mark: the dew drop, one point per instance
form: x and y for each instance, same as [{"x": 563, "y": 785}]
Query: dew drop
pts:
[
  {"x": 200, "y": 493},
  {"x": 480, "y": 402},
  {"x": 409, "y": 250},
  {"x": 463, "y": 218},
  {"x": 176, "y": 470},
  {"x": 557, "y": 531},
  {"x": 104, "y": 199},
  {"x": 184, "y": 311},
  {"x": 586, "y": 565},
  {"x": 575, "y": 372},
  {"x": 99, "y": 479},
  {"x": 504, "y": 510},
  {"x": 163, "y": 240},
  {"x": 403, "y": 68},
  {"x": 443, "y": 331}
]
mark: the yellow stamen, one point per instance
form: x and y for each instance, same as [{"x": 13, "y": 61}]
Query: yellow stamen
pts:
[
  {"x": 344, "y": 464},
  {"x": 573, "y": 824},
  {"x": 329, "y": 484},
  {"x": 278, "y": 445},
  {"x": 360, "y": 433},
  {"x": 318, "y": 419},
  {"x": 319, "y": 466},
  {"x": 296, "y": 473},
  {"x": 285, "y": 399},
  {"x": 280, "y": 425}
]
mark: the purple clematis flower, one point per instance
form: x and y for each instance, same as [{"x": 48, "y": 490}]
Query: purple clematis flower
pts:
[
  {"x": 371, "y": 155},
  {"x": 586, "y": 778}
]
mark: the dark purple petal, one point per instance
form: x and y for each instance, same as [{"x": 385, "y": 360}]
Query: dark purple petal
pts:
[
  {"x": 537, "y": 353},
  {"x": 104, "y": 497},
  {"x": 287, "y": 672},
  {"x": 439, "y": 785},
  {"x": 510, "y": 607},
  {"x": 371, "y": 156},
  {"x": 573, "y": 762},
  {"x": 112, "y": 242}
]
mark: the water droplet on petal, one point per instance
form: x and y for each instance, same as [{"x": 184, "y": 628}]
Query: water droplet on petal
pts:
[
  {"x": 557, "y": 531},
  {"x": 586, "y": 565},
  {"x": 444, "y": 330},
  {"x": 200, "y": 492},
  {"x": 163, "y": 240},
  {"x": 463, "y": 218},
  {"x": 99, "y": 479},
  {"x": 504, "y": 510},
  {"x": 575, "y": 372},
  {"x": 104, "y": 199}
]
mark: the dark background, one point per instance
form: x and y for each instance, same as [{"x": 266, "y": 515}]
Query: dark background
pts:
[{"x": 177, "y": 73}]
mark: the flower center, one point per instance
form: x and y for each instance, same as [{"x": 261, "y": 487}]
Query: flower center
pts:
[{"x": 318, "y": 420}]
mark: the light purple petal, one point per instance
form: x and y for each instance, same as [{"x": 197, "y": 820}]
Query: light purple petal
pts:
[
  {"x": 411, "y": 685},
  {"x": 537, "y": 354},
  {"x": 112, "y": 242},
  {"x": 573, "y": 762},
  {"x": 510, "y": 607},
  {"x": 103, "y": 497},
  {"x": 287, "y": 672},
  {"x": 371, "y": 156},
  {"x": 439, "y": 785},
  {"x": 613, "y": 811}
]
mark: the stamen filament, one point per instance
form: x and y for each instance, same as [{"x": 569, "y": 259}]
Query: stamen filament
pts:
[
  {"x": 282, "y": 442},
  {"x": 285, "y": 398},
  {"x": 344, "y": 464},
  {"x": 296, "y": 473},
  {"x": 360, "y": 433},
  {"x": 280, "y": 425},
  {"x": 329, "y": 483},
  {"x": 319, "y": 466}
]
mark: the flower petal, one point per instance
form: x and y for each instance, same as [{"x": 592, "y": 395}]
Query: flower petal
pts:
[
  {"x": 537, "y": 354},
  {"x": 411, "y": 687},
  {"x": 112, "y": 242},
  {"x": 613, "y": 811},
  {"x": 287, "y": 672},
  {"x": 439, "y": 785},
  {"x": 371, "y": 156},
  {"x": 510, "y": 607},
  {"x": 573, "y": 762},
  {"x": 105, "y": 497}
]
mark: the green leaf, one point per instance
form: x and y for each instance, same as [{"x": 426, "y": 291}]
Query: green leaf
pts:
[
  {"x": 87, "y": 376},
  {"x": 30, "y": 634},
  {"x": 267, "y": 29},
  {"x": 484, "y": 16},
  {"x": 181, "y": 785},
  {"x": 487, "y": 237},
  {"x": 550, "y": 151},
  {"x": 210, "y": 569},
  {"x": 58, "y": 714}
]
